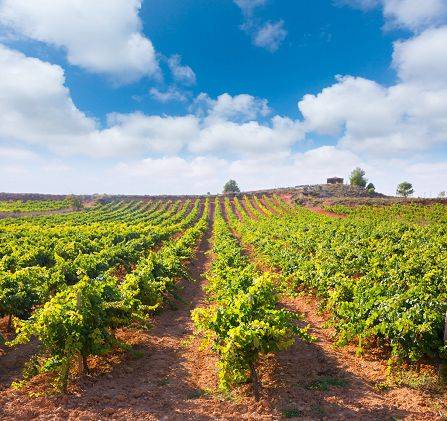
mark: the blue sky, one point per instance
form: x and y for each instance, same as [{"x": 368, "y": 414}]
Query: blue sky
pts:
[{"x": 177, "y": 96}]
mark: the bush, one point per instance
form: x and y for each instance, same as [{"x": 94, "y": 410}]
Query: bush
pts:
[
  {"x": 404, "y": 189},
  {"x": 231, "y": 187},
  {"x": 357, "y": 178}
]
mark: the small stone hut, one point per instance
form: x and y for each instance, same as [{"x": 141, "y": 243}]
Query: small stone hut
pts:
[{"x": 335, "y": 180}]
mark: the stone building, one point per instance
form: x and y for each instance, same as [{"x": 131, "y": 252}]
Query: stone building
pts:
[{"x": 335, "y": 180}]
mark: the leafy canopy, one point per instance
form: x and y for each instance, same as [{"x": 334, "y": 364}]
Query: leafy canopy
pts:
[
  {"x": 404, "y": 189},
  {"x": 231, "y": 187},
  {"x": 357, "y": 178}
]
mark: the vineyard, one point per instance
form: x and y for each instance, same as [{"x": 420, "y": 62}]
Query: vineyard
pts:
[
  {"x": 244, "y": 307},
  {"x": 33, "y": 205}
]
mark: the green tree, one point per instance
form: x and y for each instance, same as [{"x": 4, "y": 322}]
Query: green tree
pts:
[
  {"x": 442, "y": 195},
  {"x": 231, "y": 187},
  {"x": 357, "y": 178},
  {"x": 371, "y": 188},
  {"x": 404, "y": 189},
  {"x": 76, "y": 202}
]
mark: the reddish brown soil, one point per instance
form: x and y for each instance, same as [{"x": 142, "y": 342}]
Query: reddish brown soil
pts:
[
  {"x": 235, "y": 210},
  {"x": 358, "y": 394},
  {"x": 268, "y": 206},
  {"x": 255, "y": 204},
  {"x": 322, "y": 211},
  {"x": 296, "y": 378},
  {"x": 247, "y": 210},
  {"x": 287, "y": 197}
]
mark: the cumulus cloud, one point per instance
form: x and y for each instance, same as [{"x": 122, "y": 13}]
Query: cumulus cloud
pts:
[
  {"x": 137, "y": 133},
  {"x": 406, "y": 117},
  {"x": 270, "y": 36},
  {"x": 169, "y": 95},
  {"x": 248, "y": 139},
  {"x": 36, "y": 108},
  {"x": 412, "y": 14},
  {"x": 238, "y": 108},
  {"x": 422, "y": 60},
  {"x": 101, "y": 36},
  {"x": 35, "y": 105},
  {"x": 201, "y": 174},
  {"x": 204, "y": 173},
  {"x": 181, "y": 73}
]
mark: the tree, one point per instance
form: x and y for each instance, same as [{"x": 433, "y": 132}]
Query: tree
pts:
[
  {"x": 76, "y": 202},
  {"x": 231, "y": 187},
  {"x": 371, "y": 188},
  {"x": 404, "y": 189},
  {"x": 357, "y": 178},
  {"x": 442, "y": 195}
]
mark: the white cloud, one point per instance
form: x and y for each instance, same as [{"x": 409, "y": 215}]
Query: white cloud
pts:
[
  {"x": 267, "y": 35},
  {"x": 131, "y": 134},
  {"x": 248, "y": 6},
  {"x": 16, "y": 154},
  {"x": 248, "y": 139},
  {"x": 181, "y": 73},
  {"x": 270, "y": 36},
  {"x": 201, "y": 174},
  {"x": 412, "y": 14},
  {"x": 238, "y": 108},
  {"x": 407, "y": 117},
  {"x": 36, "y": 108},
  {"x": 170, "y": 95},
  {"x": 422, "y": 60},
  {"x": 101, "y": 36}
]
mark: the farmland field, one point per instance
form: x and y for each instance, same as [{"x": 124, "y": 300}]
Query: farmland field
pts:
[{"x": 245, "y": 307}]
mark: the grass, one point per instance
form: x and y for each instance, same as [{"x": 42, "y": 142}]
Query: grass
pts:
[
  {"x": 196, "y": 394},
  {"x": 325, "y": 383},
  {"x": 418, "y": 380},
  {"x": 291, "y": 413}
]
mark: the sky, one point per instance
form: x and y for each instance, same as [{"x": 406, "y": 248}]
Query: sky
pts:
[{"x": 178, "y": 96}]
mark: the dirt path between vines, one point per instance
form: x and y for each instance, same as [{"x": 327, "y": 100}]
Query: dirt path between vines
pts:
[
  {"x": 322, "y": 211},
  {"x": 320, "y": 381}
]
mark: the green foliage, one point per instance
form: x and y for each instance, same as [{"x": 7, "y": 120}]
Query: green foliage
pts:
[
  {"x": 72, "y": 298},
  {"x": 381, "y": 272},
  {"x": 77, "y": 321},
  {"x": 244, "y": 321},
  {"x": 231, "y": 187},
  {"x": 404, "y": 189},
  {"x": 325, "y": 383},
  {"x": 75, "y": 202},
  {"x": 371, "y": 188},
  {"x": 21, "y": 291},
  {"x": 33, "y": 205},
  {"x": 357, "y": 178}
]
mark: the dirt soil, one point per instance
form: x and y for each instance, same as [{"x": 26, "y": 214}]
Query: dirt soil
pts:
[
  {"x": 169, "y": 376},
  {"x": 322, "y": 211},
  {"x": 321, "y": 381}
]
